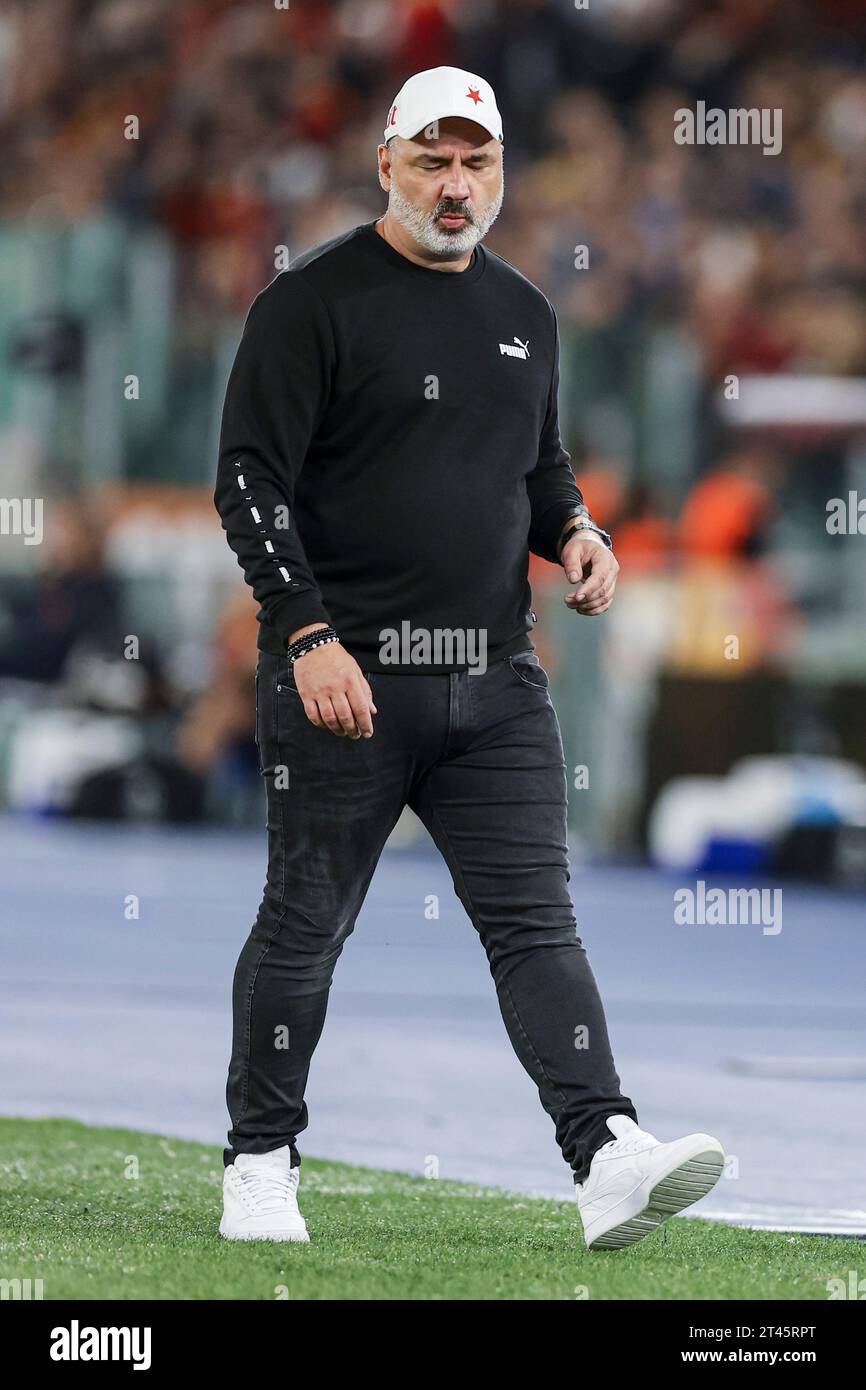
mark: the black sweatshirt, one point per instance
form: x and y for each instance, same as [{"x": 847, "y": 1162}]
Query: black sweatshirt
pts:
[{"x": 390, "y": 449}]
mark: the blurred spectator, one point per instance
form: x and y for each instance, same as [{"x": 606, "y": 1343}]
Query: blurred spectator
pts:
[
  {"x": 219, "y": 726},
  {"x": 727, "y": 514},
  {"x": 646, "y": 540},
  {"x": 72, "y": 601}
]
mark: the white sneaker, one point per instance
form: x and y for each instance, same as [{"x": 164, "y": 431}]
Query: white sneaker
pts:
[
  {"x": 260, "y": 1198},
  {"x": 635, "y": 1183}
]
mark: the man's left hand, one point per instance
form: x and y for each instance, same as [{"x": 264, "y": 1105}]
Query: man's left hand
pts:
[{"x": 593, "y": 568}]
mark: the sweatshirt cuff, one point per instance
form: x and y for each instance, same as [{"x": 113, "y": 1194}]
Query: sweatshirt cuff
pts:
[
  {"x": 294, "y": 611},
  {"x": 546, "y": 531}
]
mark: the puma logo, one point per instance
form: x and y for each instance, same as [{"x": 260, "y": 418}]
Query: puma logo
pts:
[{"x": 521, "y": 351}]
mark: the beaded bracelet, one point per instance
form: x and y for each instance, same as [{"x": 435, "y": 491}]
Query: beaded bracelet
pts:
[{"x": 309, "y": 642}]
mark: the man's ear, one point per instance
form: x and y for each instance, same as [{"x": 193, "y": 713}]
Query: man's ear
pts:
[{"x": 383, "y": 155}]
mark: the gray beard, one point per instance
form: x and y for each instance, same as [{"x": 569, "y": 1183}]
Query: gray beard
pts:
[{"x": 422, "y": 225}]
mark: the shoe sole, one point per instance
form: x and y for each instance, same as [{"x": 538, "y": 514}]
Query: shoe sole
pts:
[
  {"x": 300, "y": 1238},
  {"x": 688, "y": 1182}
]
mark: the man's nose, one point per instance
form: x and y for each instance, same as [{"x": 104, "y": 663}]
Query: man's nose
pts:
[{"x": 456, "y": 184}]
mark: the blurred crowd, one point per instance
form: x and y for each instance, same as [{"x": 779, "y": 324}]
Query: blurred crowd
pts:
[
  {"x": 258, "y": 126},
  {"x": 255, "y": 126}
]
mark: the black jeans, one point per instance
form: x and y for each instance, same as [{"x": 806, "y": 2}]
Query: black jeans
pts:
[{"x": 479, "y": 759}]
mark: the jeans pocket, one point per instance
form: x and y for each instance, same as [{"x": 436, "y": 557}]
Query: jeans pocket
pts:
[
  {"x": 288, "y": 684},
  {"x": 528, "y": 669}
]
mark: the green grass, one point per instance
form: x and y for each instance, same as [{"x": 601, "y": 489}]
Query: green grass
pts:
[{"x": 110, "y": 1213}]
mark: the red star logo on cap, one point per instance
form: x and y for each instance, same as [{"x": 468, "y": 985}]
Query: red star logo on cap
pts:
[{"x": 475, "y": 95}]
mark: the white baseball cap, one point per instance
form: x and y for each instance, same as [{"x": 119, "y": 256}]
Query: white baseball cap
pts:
[{"x": 439, "y": 92}]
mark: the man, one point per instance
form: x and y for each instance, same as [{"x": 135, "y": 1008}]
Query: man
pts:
[{"x": 390, "y": 453}]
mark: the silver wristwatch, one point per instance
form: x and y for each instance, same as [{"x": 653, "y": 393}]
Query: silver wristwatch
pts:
[{"x": 584, "y": 522}]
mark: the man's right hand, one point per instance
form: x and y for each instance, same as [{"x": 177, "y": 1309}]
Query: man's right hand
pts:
[{"x": 334, "y": 689}]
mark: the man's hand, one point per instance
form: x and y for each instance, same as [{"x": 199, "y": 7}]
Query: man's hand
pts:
[
  {"x": 593, "y": 568},
  {"x": 334, "y": 690}
]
